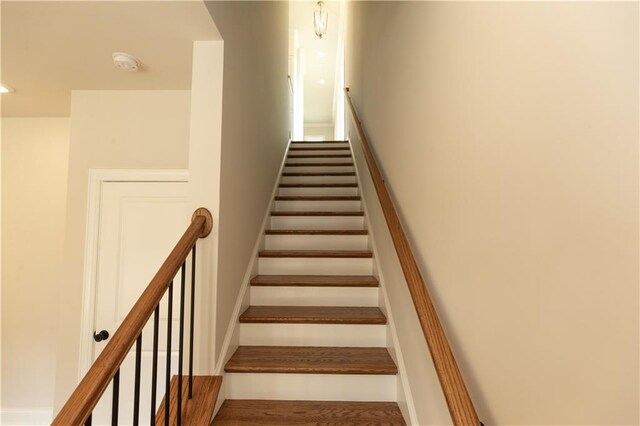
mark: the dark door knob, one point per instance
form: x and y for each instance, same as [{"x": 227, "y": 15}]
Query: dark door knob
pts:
[{"x": 99, "y": 337}]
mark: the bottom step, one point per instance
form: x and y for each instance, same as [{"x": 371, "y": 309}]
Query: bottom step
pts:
[
  {"x": 196, "y": 411},
  {"x": 264, "y": 412}
]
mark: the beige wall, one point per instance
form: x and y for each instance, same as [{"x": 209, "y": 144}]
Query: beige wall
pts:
[
  {"x": 34, "y": 189},
  {"x": 110, "y": 129},
  {"x": 418, "y": 380},
  {"x": 255, "y": 129},
  {"x": 508, "y": 134}
]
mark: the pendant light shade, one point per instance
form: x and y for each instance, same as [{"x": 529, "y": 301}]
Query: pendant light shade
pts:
[{"x": 320, "y": 19}]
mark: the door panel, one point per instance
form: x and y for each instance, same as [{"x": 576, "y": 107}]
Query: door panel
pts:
[{"x": 140, "y": 222}]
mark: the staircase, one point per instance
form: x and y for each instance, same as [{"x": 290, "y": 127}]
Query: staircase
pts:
[{"x": 313, "y": 340}]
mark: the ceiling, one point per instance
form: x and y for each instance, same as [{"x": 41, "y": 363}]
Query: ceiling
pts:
[
  {"x": 50, "y": 48},
  {"x": 320, "y": 59}
]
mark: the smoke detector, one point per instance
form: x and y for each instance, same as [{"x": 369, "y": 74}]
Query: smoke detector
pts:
[{"x": 125, "y": 61}]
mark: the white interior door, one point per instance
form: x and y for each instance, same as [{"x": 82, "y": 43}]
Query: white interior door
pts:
[{"x": 140, "y": 222}]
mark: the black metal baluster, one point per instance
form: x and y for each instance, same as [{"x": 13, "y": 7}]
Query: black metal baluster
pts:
[
  {"x": 88, "y": 422},
  {"x": 167, "y": 396},
  {"x": 154, "y": 368},
  {"x": 192, "y": 319},
  {"x": 136, "y": 385},
  {"x": 181, "y": 344},
  {"x": 115, "y": 399}
]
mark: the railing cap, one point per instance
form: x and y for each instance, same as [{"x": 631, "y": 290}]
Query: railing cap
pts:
[{"x": 208, "y": 221}]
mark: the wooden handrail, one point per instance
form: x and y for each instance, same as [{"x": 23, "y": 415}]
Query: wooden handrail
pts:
[
  {"x": 85, "y": 397},
  {"x": 455, "y": 392}
]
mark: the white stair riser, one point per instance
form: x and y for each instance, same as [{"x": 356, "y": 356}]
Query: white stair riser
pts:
[
  {"x": 314, "y": 266},
  {"x": 318, "y": 179},
  {"x": 309, "y": 387},
  {"x": 312, "y": 151},
  {"x": 312, "y": 145},
  {"x": 319, "y": 169},
  {"x": 317, "y": 222},
  {"x": 319, "y": 160},
  {"x": 314, "y": 296},
  {"x": 353, "y": 206},
  {"x": 340, "y": 335},
  {"x": 316, "y": 242},
  {"x": 318, "y": 191}
]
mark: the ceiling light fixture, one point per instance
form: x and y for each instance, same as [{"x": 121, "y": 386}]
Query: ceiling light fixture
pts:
[
  {"x": 5, "y": 89},
  {"x": 321, "y": 81},
  {"x": 320, "y": 20},
  {"x": 125, "y": 61}
]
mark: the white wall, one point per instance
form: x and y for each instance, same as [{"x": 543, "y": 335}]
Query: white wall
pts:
[
  {"x": 255, "y": 119},
  {"x": 296, "y": 68},
  {"x": 109, "y": 129},
  {"x": 508, "y": 135},
  {"x": 34, "y": 189},
  {"x": 323, "y": 130},
  {"x": 205, "y": 146},
  {"x": 0, "y": 215}
]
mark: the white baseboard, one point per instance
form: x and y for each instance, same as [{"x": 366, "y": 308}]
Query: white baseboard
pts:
[{"x": 15, "y": 417}]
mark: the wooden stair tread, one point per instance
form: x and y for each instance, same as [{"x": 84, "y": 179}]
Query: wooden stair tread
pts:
[
  {"x": 314, "y": 315},
  {"x": 336, "y": 413},
  {"x": 315, "y": 280},
  {"x": 318, "y": 164},
  {"x": 320, "y": 148},
  {"x": 311, "y": 360},
  {"x": 316, "y": 213},
  {"x": 309, "y": 174},
  {"x": 317, "y": 198},
  {"x": 316, "y": 142},
  {"x": 195, "y": 411},
  {"x": 319, "y": 185},
  {"x": 353, "y": 254},
  {"x": 296, "y": 155},
  {"x": 316, "y": 232}
]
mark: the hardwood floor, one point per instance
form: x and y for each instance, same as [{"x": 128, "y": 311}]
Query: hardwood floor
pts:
[
  {"x": 316, "y": 232},
  {"x": 313, "y": 315},
  {"x": 316, "y": 213},
  {"x": 316, "y": 253},
  {"x": 311, "y": 360},
  {"x": 315, "y": 280},
  {"x": 335, "y": 413}
]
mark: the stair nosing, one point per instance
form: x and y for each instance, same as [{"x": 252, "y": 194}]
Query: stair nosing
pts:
[
  {"x": 319, "y": 185},
  {"x": 327, "y": 321},
  {"x": 320, "y": 254},
  {"x": 317, "y": 198},
  {"x": 320, "y": 148},
  {"x": 366, "y": 281},
  {"x": 317, "y": 142},
  {"x": 343, "y": 232},
  {"x": 319, "y": 174},
  {"x": 318, "y": 164},
  {"x": 357, "y": 213},
  {"x": 298, "y": 155},
  {"x": 388, "y": 367},
  {"x": 282, "y": 314},
  {"x": 336, "y": 413}
]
